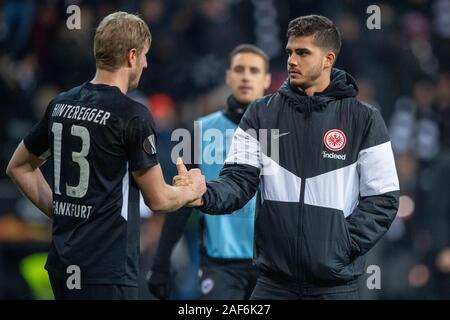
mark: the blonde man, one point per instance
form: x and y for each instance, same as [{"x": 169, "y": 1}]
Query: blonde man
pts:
[{"x": 102, "y": 149}]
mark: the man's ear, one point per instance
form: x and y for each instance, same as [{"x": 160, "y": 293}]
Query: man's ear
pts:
[
  {"x": 131, "y": 57},
  {"x": 227, "y": 77},
  {"x": 330, "y": 58}
]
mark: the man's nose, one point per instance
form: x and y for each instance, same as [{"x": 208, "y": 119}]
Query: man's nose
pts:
[
  {"x": 246, "y": 75},
  {"x": 292, "y": 60}
]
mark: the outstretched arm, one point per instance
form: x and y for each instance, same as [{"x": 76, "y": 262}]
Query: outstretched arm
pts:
[
  {"x": 161, "y": 197},
  {"x": 239, "y": 178}
]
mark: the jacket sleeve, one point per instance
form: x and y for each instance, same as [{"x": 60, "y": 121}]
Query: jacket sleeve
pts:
[
  {"x": 378, "y": 185},
  {"x": 239, "y": 178}
]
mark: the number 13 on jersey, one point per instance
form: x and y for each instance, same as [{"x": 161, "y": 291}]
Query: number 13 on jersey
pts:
[{"x": 79, "y": 157}]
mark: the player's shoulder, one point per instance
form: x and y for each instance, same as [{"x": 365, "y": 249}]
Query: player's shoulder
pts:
[
  {"x": 364, "y": 109},
  {"x": 259, "y": 106},
  {"x": 135, "y": 108},
  {"x": 263, "y": 101},
  {"x": 127, "y": 105},
  {"x": 103, "y": 94},
  {"x": 71, "y": 94},
  {"x": 127, "y": 108}
]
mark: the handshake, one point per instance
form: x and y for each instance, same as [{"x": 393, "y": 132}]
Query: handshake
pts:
[{"x": 194, "y": 180}]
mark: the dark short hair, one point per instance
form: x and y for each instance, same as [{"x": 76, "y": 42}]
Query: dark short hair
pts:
[
  {"x": 250, "y": 48},
  {"x": 326, "y": 34}
]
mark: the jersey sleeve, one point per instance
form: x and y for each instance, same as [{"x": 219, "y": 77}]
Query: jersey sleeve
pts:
[
  {"x": 37, "y": 140},
  {"x": 140, "y": 140}
]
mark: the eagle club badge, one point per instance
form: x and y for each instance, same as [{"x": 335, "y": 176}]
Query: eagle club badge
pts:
[
  {"x": 335, "y": 140},
  {"x": 150, "y": 145}
]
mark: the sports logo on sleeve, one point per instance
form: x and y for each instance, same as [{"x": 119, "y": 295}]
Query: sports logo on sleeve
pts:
[
  {"x": 207, "y": 285},
  {"x": 335, "y": 140},
  {"x": 150, "y": 145}
]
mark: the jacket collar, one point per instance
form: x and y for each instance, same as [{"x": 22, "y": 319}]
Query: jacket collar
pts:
[
  {"x": 342, "y": 85},
  {"x": 234, "y": 109}
]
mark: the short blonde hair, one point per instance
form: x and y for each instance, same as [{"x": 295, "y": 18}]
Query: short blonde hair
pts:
[{"x": 116, "y": 34}]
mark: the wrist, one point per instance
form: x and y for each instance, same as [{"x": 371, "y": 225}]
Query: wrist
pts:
[{"x": 200, "y": 203}]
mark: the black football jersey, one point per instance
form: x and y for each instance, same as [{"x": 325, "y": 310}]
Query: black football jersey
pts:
[{"x": 95, "y": 136}]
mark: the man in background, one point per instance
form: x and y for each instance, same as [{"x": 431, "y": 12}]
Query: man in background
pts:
[{"x": 226, "y": 249}]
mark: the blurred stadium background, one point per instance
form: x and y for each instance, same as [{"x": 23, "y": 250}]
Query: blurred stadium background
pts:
[{"x": 403, "y": 69}]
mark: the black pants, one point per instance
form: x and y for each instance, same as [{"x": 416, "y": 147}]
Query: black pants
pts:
[
  {"x": 231, "y": 281},
  {"x": 269, "y": 288},
  {"x": 91, "y": 291}
]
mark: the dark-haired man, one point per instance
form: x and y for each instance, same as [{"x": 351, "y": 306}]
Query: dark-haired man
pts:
[{"x": 331, "y": 191}]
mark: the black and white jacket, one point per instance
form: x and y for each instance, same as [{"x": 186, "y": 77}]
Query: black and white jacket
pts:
[{"x": 326, "y": 197}]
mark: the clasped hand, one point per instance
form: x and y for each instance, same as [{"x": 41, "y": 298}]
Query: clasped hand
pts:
[{"x": 192, "y": 179}]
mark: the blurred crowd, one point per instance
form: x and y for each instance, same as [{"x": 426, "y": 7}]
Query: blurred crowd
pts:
[{"x": 403, "y": 69}]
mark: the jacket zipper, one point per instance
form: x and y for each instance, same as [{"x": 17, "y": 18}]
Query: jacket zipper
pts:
[{"x": 300, "y": 269}]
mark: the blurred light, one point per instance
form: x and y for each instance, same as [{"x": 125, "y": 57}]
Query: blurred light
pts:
[
  {"x": 443, "y": 260},
  {"x": 406, "y": 207},
  {"x": 419, "y": 276}
]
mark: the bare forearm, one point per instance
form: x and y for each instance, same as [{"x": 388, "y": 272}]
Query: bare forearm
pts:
[
  {"x": 174, "y": 198},
  {"x": 35, "y": 188},
  {"x": 160, "y": 196}
]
